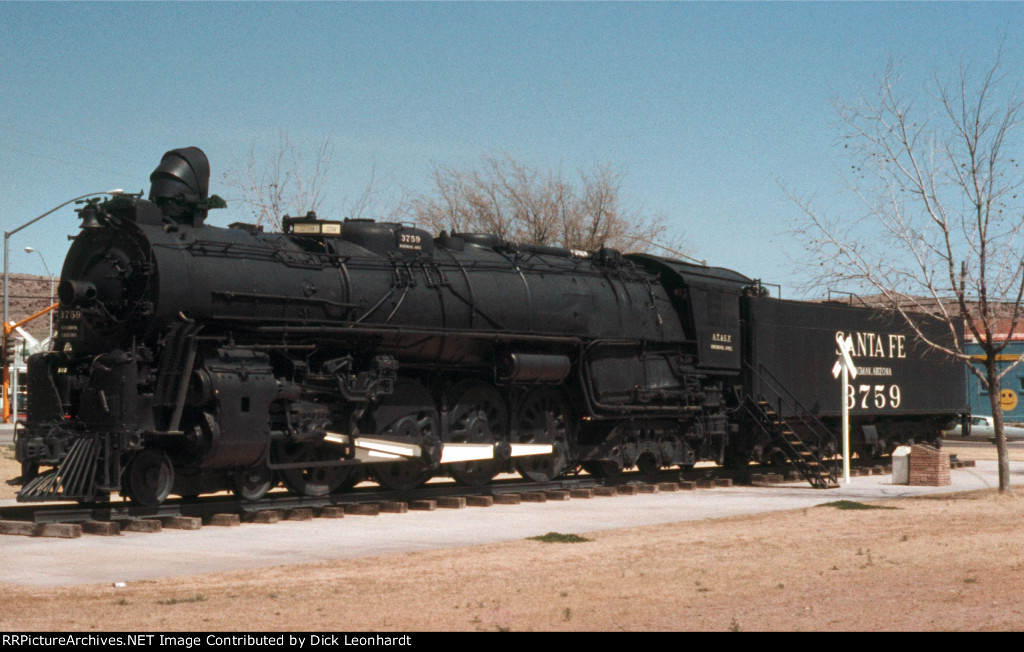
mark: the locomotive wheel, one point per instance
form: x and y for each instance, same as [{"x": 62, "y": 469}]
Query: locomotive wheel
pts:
[
  {"x": 603, "y": 468},
  {"x": 648, "y": 456},
  {"x": 401, "y": 476},
  {"x": 737, "y": 457},
  {"x": 149, "y": 477},
  {"x": 356, "y": 475},
  {"x": 314, "y": 480},
  {"x": 477, "y": 416},
  {"x": 252, "y": 484},
  {"x": 544, "y": 419},
  {"x": 420, "y": 427},
  {"x": 648, "y": 464}
]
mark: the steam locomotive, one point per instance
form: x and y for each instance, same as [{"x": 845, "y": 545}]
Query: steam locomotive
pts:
[{"x": 190, "y": 358}]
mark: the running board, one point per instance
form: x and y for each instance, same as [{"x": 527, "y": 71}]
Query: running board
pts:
[{"x": 368, "y": 449}]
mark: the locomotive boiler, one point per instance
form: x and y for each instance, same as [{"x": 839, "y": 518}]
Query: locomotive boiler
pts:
[{"x": 190, "y": 358}]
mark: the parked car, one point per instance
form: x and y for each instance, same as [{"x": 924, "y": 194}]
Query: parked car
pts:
[{"x": 983, "y": 427}]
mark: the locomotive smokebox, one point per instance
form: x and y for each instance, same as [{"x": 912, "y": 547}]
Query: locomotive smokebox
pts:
[{"x": 179, "y": 185}]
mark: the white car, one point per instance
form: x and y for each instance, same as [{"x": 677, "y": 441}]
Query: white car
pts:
[{"x": 983, "y": 428}]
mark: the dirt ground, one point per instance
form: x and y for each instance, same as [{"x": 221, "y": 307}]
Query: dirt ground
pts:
[{"x": 945, "y": 563}]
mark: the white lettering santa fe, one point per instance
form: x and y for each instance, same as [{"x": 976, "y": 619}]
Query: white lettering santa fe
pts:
[{"x": 876, "y": 345}]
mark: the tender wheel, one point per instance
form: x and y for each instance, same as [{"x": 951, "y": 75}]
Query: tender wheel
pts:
[
  {"x": 253, "y": 484},
  {"x": 149, "y": 477},
  {"x": 313, "y": 480},
  {"x": 774, "y": 457},
  {"x": 478, "y": 415},
  {"x": 868, "y": 454},
  {"x": 544, "y": 419}
]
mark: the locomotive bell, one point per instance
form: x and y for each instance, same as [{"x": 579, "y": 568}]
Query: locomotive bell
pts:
[
  {"x": 180, "y": 184},
  {"x": 88, "y": 215}
]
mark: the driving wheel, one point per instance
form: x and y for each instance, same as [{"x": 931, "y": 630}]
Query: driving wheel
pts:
[
  {"x": 543, "y": 418},
  {"x": 315, "y": 480},
  {"x": 478, "y": 415}
]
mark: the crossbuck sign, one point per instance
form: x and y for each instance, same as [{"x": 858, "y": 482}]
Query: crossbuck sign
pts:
[{"x": 844, "y": 367}]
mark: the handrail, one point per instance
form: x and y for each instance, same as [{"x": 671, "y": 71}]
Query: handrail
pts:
[
  {"x": 781, "y": 393},
  {"x": 795, "y": 409}
]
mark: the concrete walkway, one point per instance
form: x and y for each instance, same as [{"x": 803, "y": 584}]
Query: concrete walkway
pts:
[{"x": 136, "y": 556}]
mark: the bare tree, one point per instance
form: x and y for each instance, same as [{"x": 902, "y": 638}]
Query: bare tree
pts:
[
  {"x": 290, "y": 181},
  {"x": 939, "y": 180},
  {"x": 293, "y": 180},
  {"x": 524, "y": 204}
]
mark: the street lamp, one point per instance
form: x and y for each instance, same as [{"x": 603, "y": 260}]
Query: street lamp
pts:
[
  {"x": 7, "y": 286},
  {"x": 7, "y": 244},
  {"x": 30, "y": 250}
]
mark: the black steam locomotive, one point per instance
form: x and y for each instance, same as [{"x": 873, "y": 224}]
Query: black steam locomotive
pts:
[{"x": 190, "y": 358}]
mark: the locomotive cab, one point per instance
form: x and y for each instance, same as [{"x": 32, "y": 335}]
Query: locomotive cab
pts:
[{"x": 707, "y": 300}]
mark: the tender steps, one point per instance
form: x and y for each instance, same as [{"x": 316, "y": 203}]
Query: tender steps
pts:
[{"x": 818, "y": 474}]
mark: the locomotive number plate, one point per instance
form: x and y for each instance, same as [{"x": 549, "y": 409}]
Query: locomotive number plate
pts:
[
  {"x": 410, "y": 241},
  {"x": 69, "y": 324}
]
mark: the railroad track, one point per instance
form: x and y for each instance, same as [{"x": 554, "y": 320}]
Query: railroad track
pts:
[{"x": 65, "y": 520}]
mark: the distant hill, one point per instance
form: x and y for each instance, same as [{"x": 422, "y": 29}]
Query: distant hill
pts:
[{"x": 30, "y": 294}]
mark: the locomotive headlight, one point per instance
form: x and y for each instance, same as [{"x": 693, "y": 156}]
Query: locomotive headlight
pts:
[{"x": 76, "y": 293}]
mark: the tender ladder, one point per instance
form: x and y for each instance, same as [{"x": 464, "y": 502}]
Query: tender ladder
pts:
[{"x": 769, "y": 417}]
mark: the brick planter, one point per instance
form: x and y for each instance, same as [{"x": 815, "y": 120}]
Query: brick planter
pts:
[{"x": 929, "y": 467}]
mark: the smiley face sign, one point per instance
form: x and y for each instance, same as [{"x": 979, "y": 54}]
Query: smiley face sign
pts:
[{"x": 1007, "y": 400}]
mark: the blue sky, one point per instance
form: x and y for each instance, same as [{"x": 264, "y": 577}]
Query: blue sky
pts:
[{"x": 708, "y": 108}]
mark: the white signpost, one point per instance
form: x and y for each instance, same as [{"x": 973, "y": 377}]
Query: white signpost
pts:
[{"x": 844, "y": 367}]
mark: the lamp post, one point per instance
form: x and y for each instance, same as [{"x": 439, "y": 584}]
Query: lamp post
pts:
[
  {"x": 7, "y": 278},
  {"x": 49, "y": 275},
  {"x": 7, "y": 244}
]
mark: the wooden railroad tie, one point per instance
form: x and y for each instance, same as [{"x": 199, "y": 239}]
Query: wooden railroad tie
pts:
[{"x": 30, "y": 529}]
